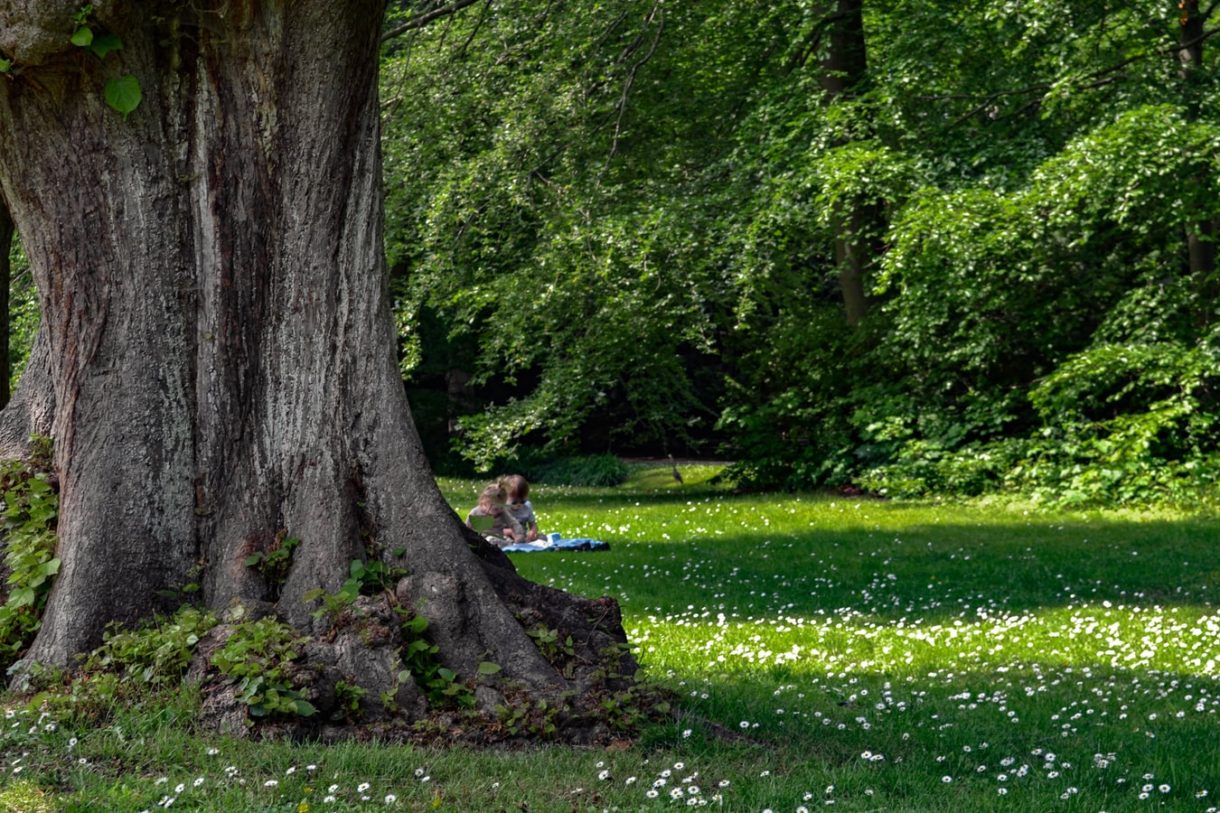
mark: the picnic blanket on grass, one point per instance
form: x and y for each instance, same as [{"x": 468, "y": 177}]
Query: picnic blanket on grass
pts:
[{"x": 582, "y": 543}]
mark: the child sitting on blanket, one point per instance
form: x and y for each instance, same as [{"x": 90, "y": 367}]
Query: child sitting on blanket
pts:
[
  {"x": 517, "y": 490},
  {"x": 492, "y": 518}
]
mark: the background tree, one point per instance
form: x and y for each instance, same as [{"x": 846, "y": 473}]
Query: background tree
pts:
[{"x": 1026, "y": 171}]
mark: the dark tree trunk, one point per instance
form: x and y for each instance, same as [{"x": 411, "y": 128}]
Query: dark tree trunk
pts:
[
  {"x": 221, "y": 350},
  {"x": 6, "y": 278},
  {"x": 1201, "y": 237},
  {"x": 843, "y": 73}
]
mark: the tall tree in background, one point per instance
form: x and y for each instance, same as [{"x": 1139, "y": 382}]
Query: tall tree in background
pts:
[
  {"x": 843, "y": 75},
  {"x": 1200, "y": 236},
  {"x": 219, "y": 340}
]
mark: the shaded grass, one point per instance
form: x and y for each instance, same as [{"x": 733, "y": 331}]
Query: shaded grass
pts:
[{"x": 849, "y": 651}]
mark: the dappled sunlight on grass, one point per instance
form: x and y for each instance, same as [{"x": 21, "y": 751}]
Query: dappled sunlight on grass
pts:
[{"x": 829, "y": 653}]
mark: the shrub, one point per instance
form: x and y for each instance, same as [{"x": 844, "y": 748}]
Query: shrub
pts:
[
  {"x": 158, "y": 654},
  {"x": 256, "y": 658},
  {"x": 593, "y": 470},
  {"x": 31, "y": 508}
]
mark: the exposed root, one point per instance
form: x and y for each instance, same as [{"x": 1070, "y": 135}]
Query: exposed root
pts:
[{"x": 364, "y": 678}]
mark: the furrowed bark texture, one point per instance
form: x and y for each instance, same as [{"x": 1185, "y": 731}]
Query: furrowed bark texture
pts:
[{"x": 219, "y": 346}]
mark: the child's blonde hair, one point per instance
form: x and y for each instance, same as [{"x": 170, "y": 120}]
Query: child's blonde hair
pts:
[{"x": 493, "y": 496}]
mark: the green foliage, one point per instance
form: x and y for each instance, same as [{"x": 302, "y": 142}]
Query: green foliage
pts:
[
  {"x": 123, "y": 94},
  {"x": 349, "y": 699},
  {"x": 421, "y": 660},
  {"x": 629, "y": 255},
  {"x": 256, "y": 658},
  {"x": 273, "y": 563},
  {"x": 157, "y": 654},
  {"x": 31, "y": 508},
  {"x": 590, "y": 470},
  {"x": 549, "y": 644},
  {"x": 364, "y": 579}
]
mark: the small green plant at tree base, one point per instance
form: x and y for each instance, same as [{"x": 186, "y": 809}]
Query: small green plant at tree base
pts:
[
  {"x": 349, "y": 699},
  {"x": 537, "y": 719},
  {"x": 31, "y": 509},
  {"x": 273, "y": 563},
  {"x": 549, "y": 644},
  {"x": 364, "y": 579},
  {"x": 420, "y": 657},
  {"x": 255, "y": 658},
  {"x": 158, "y": 654}
]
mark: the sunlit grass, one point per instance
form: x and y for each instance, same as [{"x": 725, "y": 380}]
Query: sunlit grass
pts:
[{"x": 831, "y": 653}]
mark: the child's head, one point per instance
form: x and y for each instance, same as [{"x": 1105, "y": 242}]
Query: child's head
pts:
[
  {"x": 516, "y": 488},
  {"x": 493, "y": 496}
]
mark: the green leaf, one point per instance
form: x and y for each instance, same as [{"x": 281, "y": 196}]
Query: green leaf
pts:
[
  {"x": 417, "y": 646},
  {"x": 488, "y": 668},
  {"x": 124, "y": 94},
  {"x": 448, "y": 675},
  {"x": 82, "y": 37},
  {"x": 304, "y": 708},
  {"x": 404, "y": 676},
  {"x": 5, "y": 65},
  {"x": 49, "y": 567},
  {"x": 253, "y": 559},
  {"x": 105, "y": 44}
]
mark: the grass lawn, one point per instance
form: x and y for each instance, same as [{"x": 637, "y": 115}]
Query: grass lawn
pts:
[{"x": 832, "y": 653}]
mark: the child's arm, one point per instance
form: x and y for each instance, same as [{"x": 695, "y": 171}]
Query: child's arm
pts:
[{"x": 513, "y": 531}]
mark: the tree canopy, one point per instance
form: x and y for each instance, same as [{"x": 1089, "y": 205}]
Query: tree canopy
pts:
[{"x": 625, "y": 226}]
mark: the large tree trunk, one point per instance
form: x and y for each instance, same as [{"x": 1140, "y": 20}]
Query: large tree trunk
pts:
[{"x": 221, "y": 351}]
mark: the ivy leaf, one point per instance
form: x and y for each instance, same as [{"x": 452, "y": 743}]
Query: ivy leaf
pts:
[
  {"x": 105, "y": 44},
  {"x": 304, "y": 708},
  {"x": 488, "y": 668},
  {"x": 82, "y": 37},
  {"x": 124, "y": 94}
]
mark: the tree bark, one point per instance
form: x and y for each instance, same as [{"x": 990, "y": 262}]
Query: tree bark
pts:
[
  {"x": 221, "y": 352},
  {"x": 843, "y": 73},
  {"x": 6, "y": 274}
]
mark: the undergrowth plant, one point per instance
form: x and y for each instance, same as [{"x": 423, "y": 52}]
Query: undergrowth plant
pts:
[
  {"x": 31, "y": 508},
  {"x": 421, "y": 663},
  {"x": 255, "y": 659},
  {"x": 156, "y": 655},
  {"x": 273, "y": 563}
]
